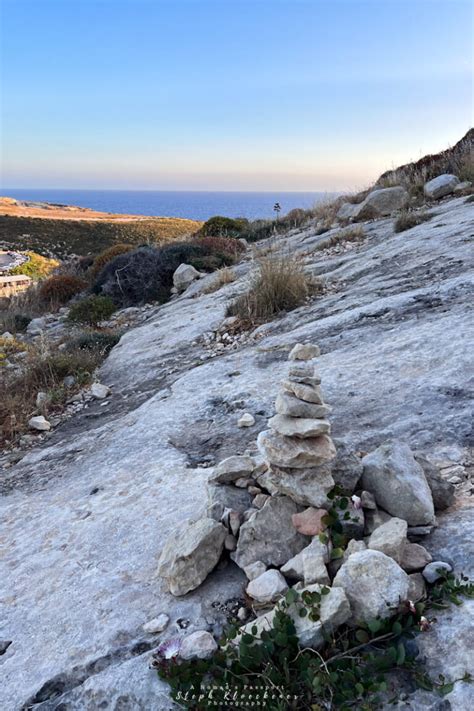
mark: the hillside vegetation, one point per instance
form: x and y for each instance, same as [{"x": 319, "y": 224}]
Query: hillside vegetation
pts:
[{"x": 64, "y": 237}]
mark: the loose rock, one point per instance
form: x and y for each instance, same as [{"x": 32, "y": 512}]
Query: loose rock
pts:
[
  {"x": 253, "y": 570},
  {"x": 247, "y": 420},
  {"x": 231, "y": 469},
  {"x": 440, "y": 186},
  {"x": 436, "y": 570},
  {"x": 309, "y": 522},
  {"x": 269, "y": 535},
  {"x": 398, "y": 483},
  {"x": 157, "y": 624},
  {"x": 39, "y": 423},
  {"x": 268, "y": 587},
  {"x": 298, "y": 427},
  {"x": 414, "y": 557},
  {"x": 99, "y": 391},
  {"x": 374, "y": 584},
  {"x": 390, "y": 538},
  {"x": 304, "y": 351},
  {"x": 286, "y": 404},
  {"x": 297, "y": 454},
  {"x": 190, "y": 554},
  {"x": 198, "y": 645}
]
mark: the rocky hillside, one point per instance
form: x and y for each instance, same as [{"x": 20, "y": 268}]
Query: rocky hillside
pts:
[{"x": 86, "y": 512}]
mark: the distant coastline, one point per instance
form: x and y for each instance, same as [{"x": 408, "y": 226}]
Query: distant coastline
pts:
[{"x": 194, "y": 205}]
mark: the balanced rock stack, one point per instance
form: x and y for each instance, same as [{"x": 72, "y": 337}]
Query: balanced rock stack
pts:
[{"x": 297, "y": 446}]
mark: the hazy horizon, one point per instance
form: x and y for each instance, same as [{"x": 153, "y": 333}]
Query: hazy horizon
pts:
[{"x": 253, "y": 95}]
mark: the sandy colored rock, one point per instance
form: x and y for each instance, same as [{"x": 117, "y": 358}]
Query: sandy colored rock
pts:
[
  {"x": 390, "y": 538},
  {"x": 269, "y": 535},
  {"x": 309, "y": 522},
  {"x": 298, "y": 427},
  {"x": 308, "y": 393},
  {"x": 374, "y": 584},
  {"x": 398, "y": 483},
  {"x": 304, "y": 351},
  {"x": 308, "y": 487},
  {"x": 267, "y": 587},
  {"x": 296, "y": 454},
  {"x": 414, "y": 557},
  {"x": 190, "y": 554},
  {"x": 287, "y": 404},
  {"x": 198, "y": 645},
  {"x": 231, "y": 469}
]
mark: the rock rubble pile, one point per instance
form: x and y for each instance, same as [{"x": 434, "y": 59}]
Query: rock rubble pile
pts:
[{"x": 272, "y": 513}]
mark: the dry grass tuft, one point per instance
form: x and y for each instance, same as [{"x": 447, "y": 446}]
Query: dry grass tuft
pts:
[
  {"x": 350, "y": 234},
  {"x": 279, "y": 284},
  {"x": 221, "y": 278},
  {"x": 407, "y": 220},
  {"x": 41, "y": 370}
]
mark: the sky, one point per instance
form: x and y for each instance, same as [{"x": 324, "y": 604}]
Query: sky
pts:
[{"x": 229, "y": 94}]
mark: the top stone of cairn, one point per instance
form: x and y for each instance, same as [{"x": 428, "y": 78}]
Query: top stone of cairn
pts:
[{"x": 304, "y": 351}]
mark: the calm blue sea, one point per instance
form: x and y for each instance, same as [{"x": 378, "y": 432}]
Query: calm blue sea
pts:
[{"x": 192, "y": 204}]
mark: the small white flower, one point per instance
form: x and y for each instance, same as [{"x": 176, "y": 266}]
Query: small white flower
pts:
[
  {"x": 356, "y": 501},
  {"x": 169, "y": 649},
  {"x": 424, "y": 624}
]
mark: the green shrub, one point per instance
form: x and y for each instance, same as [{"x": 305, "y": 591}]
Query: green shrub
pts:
[
  {"x": 60, "y": 288},
  {"x": 407, "y": 220},
  {"x": 223, "y": 227},
  {"x": 92, "y": 310}
]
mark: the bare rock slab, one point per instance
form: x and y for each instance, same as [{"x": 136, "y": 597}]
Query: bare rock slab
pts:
[
  {"x": 189, "y": 555},
  {"x": 373, "y": 583},
  {"x": 398, "y": 483},
  {"x": 269, "y": 535},
  {"x": 298, "y": 454}
]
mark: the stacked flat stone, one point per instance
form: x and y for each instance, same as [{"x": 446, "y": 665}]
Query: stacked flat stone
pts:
[{"x": 297, "y": 446}]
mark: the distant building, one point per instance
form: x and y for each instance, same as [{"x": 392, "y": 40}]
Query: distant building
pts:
[{"x": 13, "y": 284}]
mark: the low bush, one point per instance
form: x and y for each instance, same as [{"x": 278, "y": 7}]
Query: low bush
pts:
[
  {"x": 100, "y": 342},
  {"x": 91, "y": 310},
  {"x": 13, "y": 321},
  {"x": 279, "y": 284},
  {"x": 352, "y": 669},
  {"x": 219, "y": 226},
  {"x": 107, "y": 255},
  {"x": 407, "y": 220},
  {"x": 221, "y": 245},
  {"x": 146, "y": 273},
  {"x": 58, "y": 289},
  {"x": 37, "y": 267}
]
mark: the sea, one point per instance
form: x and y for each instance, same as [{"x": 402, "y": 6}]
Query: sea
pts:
[{"x": 195, "y": 205}]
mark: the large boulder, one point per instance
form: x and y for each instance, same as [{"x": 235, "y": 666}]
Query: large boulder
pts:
[
  {"x": 295, "y": 453},
  {"x": 398, "y": 483},
  {"x": 269, "y": 535},
  {"x": 184, "y": 276},
  {"x": 308, "y": 487},
  {"x": 374, "y": 584},
  {"x": 347, "y": 211},
  {"x": 441, "y": 186},
  {"x": 190, "y": 554},
  {"x": 379, "y": 203}
]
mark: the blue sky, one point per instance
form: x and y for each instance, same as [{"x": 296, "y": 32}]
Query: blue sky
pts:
[{"x": 229, "y": 94}]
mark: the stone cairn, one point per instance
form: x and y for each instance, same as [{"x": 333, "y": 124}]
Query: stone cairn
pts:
[{"x": 268, "y": 511}]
